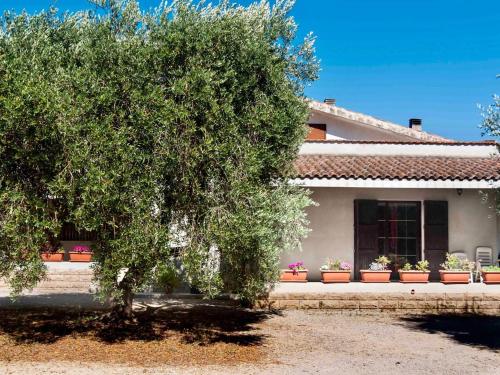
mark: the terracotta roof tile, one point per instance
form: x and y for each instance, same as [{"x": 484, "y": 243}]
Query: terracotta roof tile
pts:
[
  {"x": 416, "y": 142},
  {"x": 397, "y": 167}
]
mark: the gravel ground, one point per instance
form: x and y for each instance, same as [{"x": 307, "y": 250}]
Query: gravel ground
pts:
[{"x": 319, "y": 342}]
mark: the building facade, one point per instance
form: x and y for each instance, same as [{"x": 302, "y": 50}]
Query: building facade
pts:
[{"x": 387, "y": 189}]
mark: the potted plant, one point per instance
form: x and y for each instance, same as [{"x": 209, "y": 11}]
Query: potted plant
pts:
[
  {"x": 491, "y": 274},
  {"x": 335, "y": 271},
  {"x": 53, "y": 256},
  {"x": 296, "y": 273},
  {"x": 456, "y": 270},
  {"x": 167, "y": 278},
  {"x": 418, "y": 275},
  {"x": 378, "y": 271},
  {"x": 80, "y": 253}
]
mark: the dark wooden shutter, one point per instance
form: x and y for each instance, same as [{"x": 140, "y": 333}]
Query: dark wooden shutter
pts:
[
  {"x": 435, "y": 234},
  {"x": 317, "y": 132},
  {"x": 365, "y": 233}
]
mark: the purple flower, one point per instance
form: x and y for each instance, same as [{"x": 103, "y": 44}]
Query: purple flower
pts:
[
  {"x": 345, "y": 266},
  {"x": 81, "y": 249},
  {"x": 296, "y": 267}
]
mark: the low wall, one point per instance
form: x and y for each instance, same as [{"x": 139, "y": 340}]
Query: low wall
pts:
[
  {"x": 402, "y": 303},
  {"x": 60, "y": 280}
]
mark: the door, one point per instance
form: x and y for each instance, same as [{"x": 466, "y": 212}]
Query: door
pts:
[
  {"x": 436, "y": 235},
  {"x": 386, "y": 228},
  {"x": 365, "y": 234},
  {"x": 399, "y": 232}
]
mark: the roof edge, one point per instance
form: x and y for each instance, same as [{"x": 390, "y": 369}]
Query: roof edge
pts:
[
  {"x": 374, "y": 122},
  {"x": 438, "y": 143}
]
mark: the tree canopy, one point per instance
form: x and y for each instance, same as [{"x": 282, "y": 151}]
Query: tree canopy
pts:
[
  {"x": 151, "y": 129},
  {"x": 491, "y": 117}
]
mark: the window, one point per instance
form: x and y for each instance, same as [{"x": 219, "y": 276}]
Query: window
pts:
[
  {"x": 316, "y": 132},
  {"x": 69, "y": 233},
  {"x": 399, "y": 232}
]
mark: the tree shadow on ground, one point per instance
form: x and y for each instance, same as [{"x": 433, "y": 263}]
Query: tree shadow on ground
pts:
[
  {"x": 203, "y": 325},
  {"x": 473, "y": 330}
]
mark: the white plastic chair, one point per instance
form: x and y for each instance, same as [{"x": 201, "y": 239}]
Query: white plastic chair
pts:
[
  {"x": 484, "y": 258},
  {"x": 463, "y": 256}
]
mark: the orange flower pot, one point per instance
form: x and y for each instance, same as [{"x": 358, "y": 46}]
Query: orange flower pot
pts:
[
  {"x": 289, "y": 276},
  {"x": 413, "y": 276},
  {"x": 52, "y": 257},
  {"x": 330, "y": 276},
  {"x": 79, "y": 257},
  {"x": 454, "y": 277},
  {"x": 369, "y": 276},
  {"x": 491, "y": 277}
]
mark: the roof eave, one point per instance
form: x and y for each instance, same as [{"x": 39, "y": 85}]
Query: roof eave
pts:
[
  {"x": 393, "y": 183},
  {"x": 375, "y": 122}
]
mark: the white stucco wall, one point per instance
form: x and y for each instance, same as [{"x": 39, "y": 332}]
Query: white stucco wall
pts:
[
  {"x": 339, "y": 128},
  {"x": 472, "y": 222}
]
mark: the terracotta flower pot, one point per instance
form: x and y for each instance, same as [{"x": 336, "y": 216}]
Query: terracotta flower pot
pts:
[
  {"x": 454, "y": 277},
  {"x": 79, "y": 257},
  {"x": 290, "y": 276},
  {"x": 331, "y": 276},
  {"x": 52, "y": 257},
  {"x": 369, "y": 276},
  {"x": 491, "y": 277},
  {"x": 413, "y": 276}
]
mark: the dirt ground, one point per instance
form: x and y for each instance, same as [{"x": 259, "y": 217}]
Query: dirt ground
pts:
[{"x": 218, "y": 339}]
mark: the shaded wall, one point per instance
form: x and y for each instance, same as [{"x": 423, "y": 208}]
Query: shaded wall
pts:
[{"x": 472, "y": 222}]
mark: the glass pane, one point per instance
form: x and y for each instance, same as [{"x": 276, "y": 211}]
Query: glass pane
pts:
[
  {"x": 402, "y": 229},
  {"x": 411, "y": 213},
  {"x": 411, "y": 247},
  {"x": 411, "y": 227}
]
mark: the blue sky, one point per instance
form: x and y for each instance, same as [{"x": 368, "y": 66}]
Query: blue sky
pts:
[{"x": 393, "y": 59}]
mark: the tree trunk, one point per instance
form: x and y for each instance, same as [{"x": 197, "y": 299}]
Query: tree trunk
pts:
[{"x": 122, "y": 309}]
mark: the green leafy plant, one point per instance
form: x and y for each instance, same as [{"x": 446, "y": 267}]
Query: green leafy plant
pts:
[
  {"x": 407, "y": 267},
  {"x": 491, "y": 269},
  {"x": 331, "y": 264},
  {"x": 380, "y": 264},
  {"x": 149, "y": 128},
  {"x": 422, "y": 265},
  {"x": 335, "y": 265},
  {"x": 167, "y": 277},
  {"x": 455, "y": 263}
]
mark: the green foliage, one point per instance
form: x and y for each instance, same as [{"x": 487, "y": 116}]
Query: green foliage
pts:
[
  {"x": 407, "y": 267},
  {"x": 422, "y": 265},
  {"x": 167, "y": 277},
  {"x": 491, "y": 117},
  {"x": 331, "y": 264},
  {"x": 491, "y": 269},
  {"x": 383, "y": 260},
  {"x": 149, "y": 128},
  {"x": 455, "y": 263}
]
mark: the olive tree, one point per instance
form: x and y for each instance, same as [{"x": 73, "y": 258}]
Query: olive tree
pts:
[{"x": 178, "y": 125}]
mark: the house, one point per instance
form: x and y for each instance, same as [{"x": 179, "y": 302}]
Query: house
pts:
[{"x": 384, "y": 188}]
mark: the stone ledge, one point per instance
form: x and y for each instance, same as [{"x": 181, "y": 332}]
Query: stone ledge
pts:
[{"x": 477, "y": 303}]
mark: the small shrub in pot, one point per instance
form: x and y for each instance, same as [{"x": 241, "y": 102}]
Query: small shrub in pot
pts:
[
  {"x": 456, "y": 270},
  {"x": 336, "y": 271},
  {"x": 296, "y": 272},
  {"x": 378, "y": 271},
  {"x": 418, "y": 274}
]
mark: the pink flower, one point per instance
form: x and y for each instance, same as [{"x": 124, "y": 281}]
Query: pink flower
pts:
[
  {"x": 345, "y": 266},
  {"x": 81, "y": 249}
]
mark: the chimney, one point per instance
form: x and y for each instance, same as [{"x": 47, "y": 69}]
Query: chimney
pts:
[
  {"x": 330, "y": 101},
  {"x": 416, "y": 124}
]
